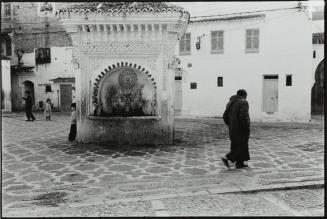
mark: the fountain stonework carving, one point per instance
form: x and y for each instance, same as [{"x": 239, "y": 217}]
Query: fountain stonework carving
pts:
[{"x": 125, "y": 54}]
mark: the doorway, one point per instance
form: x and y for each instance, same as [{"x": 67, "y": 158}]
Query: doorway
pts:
[
  {"x": 317, "y": 91},
  {"x": 29, "y": 86},
  {"x": 178, "y": 96},
  {"x": 65, "y": 97},
  {"x": 270, "y": 94}
]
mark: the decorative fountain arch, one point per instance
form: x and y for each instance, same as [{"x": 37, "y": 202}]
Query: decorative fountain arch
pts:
[
  {"x": 129, "y": 102},
  {"x": 126, "y": 91}
]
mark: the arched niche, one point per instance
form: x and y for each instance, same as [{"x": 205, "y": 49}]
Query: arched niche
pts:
[{"x": 124, "y": 89}]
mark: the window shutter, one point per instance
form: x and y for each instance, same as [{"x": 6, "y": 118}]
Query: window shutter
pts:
[
  {"x": 248, "y": 42},
  {"x": 221, "y": 43}
]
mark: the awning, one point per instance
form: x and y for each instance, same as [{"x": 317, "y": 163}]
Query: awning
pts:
[{"x": 59, "y": 80}]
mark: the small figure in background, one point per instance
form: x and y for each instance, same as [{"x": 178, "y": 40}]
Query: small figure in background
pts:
[
  {"x": 28, "y": 106},
  {"x": 47, "y": 110},
  {"x": 73, "y": 128}
]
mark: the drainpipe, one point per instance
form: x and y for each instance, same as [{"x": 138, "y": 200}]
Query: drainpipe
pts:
[{"x": 58, "y": 100}]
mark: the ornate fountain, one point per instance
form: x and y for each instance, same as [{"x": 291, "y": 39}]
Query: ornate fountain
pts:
[{"x": 124, "y": 51}]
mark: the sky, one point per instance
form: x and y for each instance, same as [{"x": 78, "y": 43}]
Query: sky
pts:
[{"x": 214, "y": 8}]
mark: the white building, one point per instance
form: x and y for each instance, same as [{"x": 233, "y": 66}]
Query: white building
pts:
[
  {"x": 268, "y": 53},
  {"x": 53, "y": 79}
]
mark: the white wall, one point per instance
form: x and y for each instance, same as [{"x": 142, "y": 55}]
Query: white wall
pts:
[
  {"x": 285, "y": 48},
  {"x": 61, "y": 66},
  {"x": 317, "y": 27},
  {"x": 6, "y": 84}
]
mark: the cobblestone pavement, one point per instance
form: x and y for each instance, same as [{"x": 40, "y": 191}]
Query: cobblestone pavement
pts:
[{"x": 41, "y": 170}]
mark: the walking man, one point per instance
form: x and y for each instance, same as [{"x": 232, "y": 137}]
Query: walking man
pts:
[
  {"x": 28, "y": 106},
  {"x": 236, "y": 116}
]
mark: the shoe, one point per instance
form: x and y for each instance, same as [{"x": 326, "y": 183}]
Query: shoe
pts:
[
  {"x": 241, "y": 166},
  {"x": 225, "y": 161}
]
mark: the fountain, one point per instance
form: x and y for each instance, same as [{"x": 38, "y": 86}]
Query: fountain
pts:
[{"x": 125, "y": 87}]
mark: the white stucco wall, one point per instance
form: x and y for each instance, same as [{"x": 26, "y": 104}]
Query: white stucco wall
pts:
[
  {"x": 6, "y": 84},
  {"x": 285, "y": 48},
  {"x": 61, "y": 66},
  {"x": 317, "y": 27}
]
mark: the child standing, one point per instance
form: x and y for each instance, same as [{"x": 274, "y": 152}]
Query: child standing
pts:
[
  {"x": 47, "y": 110},
  {"x": 73, "y": 128}
]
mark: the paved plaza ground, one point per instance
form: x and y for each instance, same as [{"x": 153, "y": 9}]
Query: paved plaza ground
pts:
[{"x": 43, "y": 174}]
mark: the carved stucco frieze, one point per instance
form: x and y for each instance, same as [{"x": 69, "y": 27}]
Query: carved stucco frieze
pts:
[{"x": 121, "y": 48}]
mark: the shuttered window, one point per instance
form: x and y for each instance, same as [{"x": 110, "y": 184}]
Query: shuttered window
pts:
[
  {"x": 217, "y": 42},
  {"x": 185, "y": 44},
  {"x": 252, "y": 41}
]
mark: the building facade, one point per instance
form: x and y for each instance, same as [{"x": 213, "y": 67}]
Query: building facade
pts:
[
  {"x": 40, "y": 53},
  {"x": 318, "y": 42},
  {"x": 267, "y": 53}
]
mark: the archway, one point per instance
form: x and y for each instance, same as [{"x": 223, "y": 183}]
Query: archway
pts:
[
  {"x": 317, "y": 91},
  {"x": 29, "y": 86}
]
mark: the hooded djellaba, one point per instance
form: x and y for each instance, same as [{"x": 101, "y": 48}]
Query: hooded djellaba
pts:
[{"x": 236, "y": 116}]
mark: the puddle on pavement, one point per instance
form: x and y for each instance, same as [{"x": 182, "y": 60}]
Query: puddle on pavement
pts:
[
  {"x": 311, "y": 147},
  {"x": 50, "y": 199}
]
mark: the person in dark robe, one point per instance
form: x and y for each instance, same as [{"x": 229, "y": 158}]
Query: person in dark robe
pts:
[
  {"x": 236, "y": 116},
  {"x": 28, "y": 106},
  {"x": 73, "y": 126}
]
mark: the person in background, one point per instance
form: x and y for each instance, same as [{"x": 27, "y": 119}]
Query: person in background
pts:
[
  {"x": 73, "y": 128},
  {"x": 28, "y": 106},
  {"x": 47, "y": 110},
  {"x": 236, "y": 116}
]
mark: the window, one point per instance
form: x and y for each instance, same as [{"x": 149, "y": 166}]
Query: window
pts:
[
  {"x": 6, "y": 46},
  {"x": 185, "y": 44},
  {"x": 288, "y": 80},
  {"x": 7, "y": 10},
  {"x": 314, "y": 54},
  {"x": 252, "y": 41},
  {"x": 217, "y": 42},
  {"x": 178, "y": 78},
  {"x": 220, "y": 82},
  {"x": 42, "y": 56},
  {"x": 48, "y": 88},
  {"x": 193, "y": 85}
]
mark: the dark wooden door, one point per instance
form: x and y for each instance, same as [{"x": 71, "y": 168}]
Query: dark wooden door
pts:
[{"x": 65, "y": 97}]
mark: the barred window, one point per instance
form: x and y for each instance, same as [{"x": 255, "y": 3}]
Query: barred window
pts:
[
  {"x": 220, "y": 82},
  {"x": 185, "y": 44},
  {"x": 193, "y": 85},
  {"x": 288, "y": 80},
  {"x": 252, "y": 40},
  {"x": 48, "y": 88},
  {"x": 217, "y": 42},
  {"x": 42, "y": 56},
  {"x": 318, "y": 38}
]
